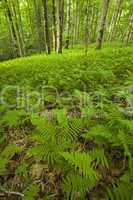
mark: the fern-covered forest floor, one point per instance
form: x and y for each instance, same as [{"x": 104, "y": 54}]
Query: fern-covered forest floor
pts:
[{"x": 66, "y": 129}]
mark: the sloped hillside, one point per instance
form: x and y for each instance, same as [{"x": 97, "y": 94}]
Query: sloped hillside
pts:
[{"x": 66, "y": 129}]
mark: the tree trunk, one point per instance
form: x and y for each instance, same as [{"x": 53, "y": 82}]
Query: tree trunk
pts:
[
  {"x": 102, "y": 24},
  {"x": 68, "y": 24},
  {"x": 40, "y": 32},
  {"x": 129, "y": 32},
  {"x": 18, "y": 20},
  {"x": 12, "y": 18},
  {"x": 11, "y": 34},
  {"x": 87, "y": 27},
  {"x": 60, "y": 16},
  {"x": 29, "y": 16},
  {"x": 75, "y": 21},
  {"x": 115, "y": 19},
  {"x": 54, "y": 25},
  {"x": 48, "y": 49}
]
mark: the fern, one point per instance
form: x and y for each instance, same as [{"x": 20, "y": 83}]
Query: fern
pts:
[
  {"x": 61, "y": 115},
  {"x": 73, "y": 130},
  {"x": 99, "y": 158},
  {"x": 49, "y": 144},
  {"x": 75, "y": 186},
  {"x": 6, "y": 155},
  {"x": 122, "y": 189},
  {"x": 22, "y": 169},
  {"x": 31, "y": 192},
  {"x": 53, "y": 140},
  {"x": 43, "y": 125},
  {"x": 83, "y": 97},
  {"x": 48, "y": 151},
  {"x": 99, "y": 133},
  {"x": 125, "y": 141},
  {"x": 117, "y": 121},
  {"x": 82, "y": 162},
  {"x": 88, "y": 111},
  {"x": 13, "y": 117}
]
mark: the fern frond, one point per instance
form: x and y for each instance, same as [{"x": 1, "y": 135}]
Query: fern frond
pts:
[
  {"x": 43, "y": 125},
  {"x": 99, "y": 133},
  {"x": 9, "y": 151},
  {"x": 82, "y": 162},
  {"x": 99, "y": 157},
  {"x": 122, "y": 189},
  {"x": 83, "y": 97},
  {"x": 6, "y": 155},
  {"x": 61, "y": 115},
  {"x": 31, "y": 192},
  {"x": 119, "y": 192},
  {"x": 13, "y": 117},
  {"x": 48, "y": 152},
  {"x": 75, "y": 186}
]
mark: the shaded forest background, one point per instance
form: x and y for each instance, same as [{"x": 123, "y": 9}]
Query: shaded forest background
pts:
[{"x": 35, "y": 26}]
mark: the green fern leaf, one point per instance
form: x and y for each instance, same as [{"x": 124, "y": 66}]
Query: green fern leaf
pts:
[
  {"x": 13, "y": 117},
  {"x": 75, "y": 186},
  {"x": 6, "y": 155},
  {"x": 82, "y": 162},
  {"x": 99, "y": 157},
  {"x": 31, "y": 192}
]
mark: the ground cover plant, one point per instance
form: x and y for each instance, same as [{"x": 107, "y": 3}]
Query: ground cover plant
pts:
[{"x": 66, "y": 125}]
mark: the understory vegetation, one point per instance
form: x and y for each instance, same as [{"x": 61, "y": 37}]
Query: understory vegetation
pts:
[{"x": 66, "y": 126}]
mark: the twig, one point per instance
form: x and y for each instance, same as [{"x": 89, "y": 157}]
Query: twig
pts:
[{"x": 11, "y": 192}]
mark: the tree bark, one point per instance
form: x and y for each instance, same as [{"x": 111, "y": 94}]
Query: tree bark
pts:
[
  {"x": 54, "y": 26},
  {"x": 115, "y": 19},
  {"x": 48, "y": 49},
  {"x": 60, "y": 17},
  {"x": 75, "y": 21},
  {"x": 68, "y": 24},
  {"x": 129, "y": 30},
  {"x": 102, "y": 24},
  {"x": 14, "y": 26},
  {"x": 40, "y": 32},
  {"x": 87, "y": 27}
]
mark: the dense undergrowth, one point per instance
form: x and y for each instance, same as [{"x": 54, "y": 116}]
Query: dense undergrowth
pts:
[{"x": 66, "y": 129}]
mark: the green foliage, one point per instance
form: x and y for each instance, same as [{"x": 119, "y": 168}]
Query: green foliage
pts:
[
  {"x": 75, "y": 186},
  {"x": 122, "y": 189},
  {"x": 99, "y": 133},
  {"x": 6, "y": 155},
  {"x": 14, "y": 117},
  {"x": 82, "y": 162},
  {"x": 75, "y": 134},
  {"x": 99, "y": 157},
  {"x": 31, "y": 192},
  {"x": 22, "y": 169}
]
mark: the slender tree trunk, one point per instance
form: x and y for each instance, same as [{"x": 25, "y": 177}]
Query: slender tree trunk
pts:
[
  {"x": 115, "y": 19},
  {"x": 11, "y": 8},
  {"x": 129, "y": 32},
  {"x": 95, "y": 24},
  {"x": 102, "y": 24},
  {"x": 68, "y": 24},
  {"x": 75, "y": 21},
  {"x": 48, "y": 49},
  {"x": 54, "y": 26},
  {"x": 60, "y": 16},
  {"x": 87, "y": 27},
  {"x": 19, "y": 24},
  {"x": 11, "y": 33},
  {"x": 39, "y": 27},
  {"x": 29, "y": 16},
  {"x": 92, "y": 18}
]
